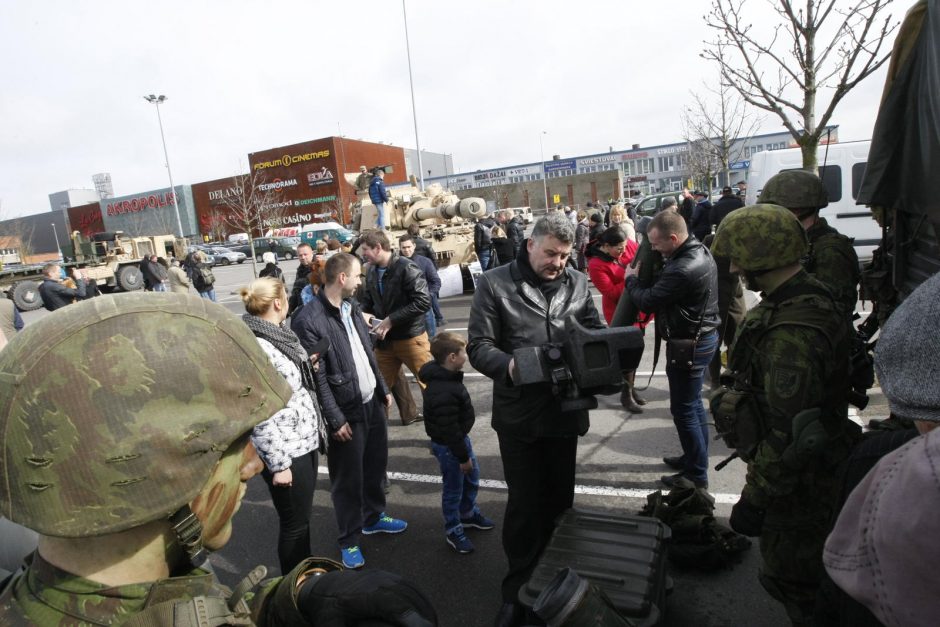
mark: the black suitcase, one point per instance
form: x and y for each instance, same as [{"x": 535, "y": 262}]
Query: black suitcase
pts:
[{"x": 625, "y": 556}]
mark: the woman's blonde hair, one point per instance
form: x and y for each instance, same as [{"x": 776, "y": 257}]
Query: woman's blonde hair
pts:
[
  {"x": 321, "y": 246},
  {"x": 260, "y": 294},
  {"x": 618, "y": 212}
]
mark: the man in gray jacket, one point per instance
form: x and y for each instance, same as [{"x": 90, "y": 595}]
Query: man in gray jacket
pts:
[{"x": 519, "y": 305}]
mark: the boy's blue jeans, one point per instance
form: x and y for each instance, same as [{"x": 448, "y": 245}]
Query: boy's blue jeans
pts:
[{"x": 459, "y": 496}]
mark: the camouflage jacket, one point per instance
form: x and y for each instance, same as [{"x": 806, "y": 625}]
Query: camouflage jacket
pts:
[
  {"x": 49, "y": 596},
  {"x": 832, "y": 261},
  {"x": 791, "y": 354}
]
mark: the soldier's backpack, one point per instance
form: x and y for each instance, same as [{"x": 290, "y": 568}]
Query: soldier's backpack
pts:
[
  {"x": 203, "y": 279},
  {"x": 698, "y": 541}
]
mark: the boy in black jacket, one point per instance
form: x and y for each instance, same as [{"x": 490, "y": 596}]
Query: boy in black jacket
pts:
[{"x": 448, "y": 418}]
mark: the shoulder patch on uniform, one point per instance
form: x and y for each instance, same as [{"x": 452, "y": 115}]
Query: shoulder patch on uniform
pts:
[{"x": 786, "y": 382}]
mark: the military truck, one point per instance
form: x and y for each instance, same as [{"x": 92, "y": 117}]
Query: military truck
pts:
[
  {"x": 112, "y": 259},
  {"x": 900, "y": 180}
]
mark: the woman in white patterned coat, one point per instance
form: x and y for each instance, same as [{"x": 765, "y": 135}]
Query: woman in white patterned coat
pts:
[{"x": 288, "y": 441}]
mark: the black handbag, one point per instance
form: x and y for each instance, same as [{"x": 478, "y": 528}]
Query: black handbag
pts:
[{"x": 680, "y": 352}]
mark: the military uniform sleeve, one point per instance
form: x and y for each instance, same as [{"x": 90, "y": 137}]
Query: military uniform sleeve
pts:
[
  {"x": 792, "y": 371},
  {"x": 836, "y": 266}
]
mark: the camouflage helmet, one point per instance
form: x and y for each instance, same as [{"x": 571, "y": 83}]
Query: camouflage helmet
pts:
[
  {"x": 115, "y": 410},
  {"x": 795, "y": 189},
  {"x": 760, "y": 237}
]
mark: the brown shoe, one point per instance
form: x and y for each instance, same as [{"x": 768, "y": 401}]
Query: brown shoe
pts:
[{"x": 409, "y": 421}]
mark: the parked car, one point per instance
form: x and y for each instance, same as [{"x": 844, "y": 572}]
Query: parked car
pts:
[
  {"x": 225, "y": 256},
  {"x": 283, "y": 247},
  {"x": 649, "y": 205},
  {"x": 314, "y": 232}
]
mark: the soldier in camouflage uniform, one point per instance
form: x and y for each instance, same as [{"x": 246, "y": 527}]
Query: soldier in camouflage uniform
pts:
[
  {"x": 782, "y": 406},
  {"x": 129, "y": 457},
  {"x": 831, "y": 258}
]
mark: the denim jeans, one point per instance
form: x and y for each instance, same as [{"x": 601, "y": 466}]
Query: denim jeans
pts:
[
  {"x": 459, "y": 496},
  {"x": 160, "y": 287},
  {"x": 688, "y": 412},
  {"x": 484, "y": 256},
  {"x": 380, "y": 220},
  {"x": 436, "y": 308},
  {"x": 209, "y": 294},
  {"x": 430, "y": 323}
]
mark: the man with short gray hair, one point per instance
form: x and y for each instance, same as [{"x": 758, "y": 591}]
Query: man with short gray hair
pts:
[{"x": 519, "y": 305}]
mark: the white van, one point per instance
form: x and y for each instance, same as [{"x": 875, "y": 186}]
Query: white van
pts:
[{"x": 841, "y": 171}]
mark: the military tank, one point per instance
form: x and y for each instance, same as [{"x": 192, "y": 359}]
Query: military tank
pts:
[{"x": 442, "y": 218}]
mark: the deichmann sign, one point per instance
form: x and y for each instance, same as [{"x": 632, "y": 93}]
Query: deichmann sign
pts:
[
  {"x": 288, "y": 160},
  {"x": 153, "y": 201}
]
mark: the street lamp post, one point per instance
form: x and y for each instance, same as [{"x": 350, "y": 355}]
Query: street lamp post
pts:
[
  {"x": 57, "y": 246},
  {"x": 414, "y": 110},
  {"x": 157, "y": 101},
  {"x": 544, "y": 174}
]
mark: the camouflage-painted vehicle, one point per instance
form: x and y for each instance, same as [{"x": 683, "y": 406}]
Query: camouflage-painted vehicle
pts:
[
  {"x": 443, "y": 219},
  {"x": 111, "y": 259}
]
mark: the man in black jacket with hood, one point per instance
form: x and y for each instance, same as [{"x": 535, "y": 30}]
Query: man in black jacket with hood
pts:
[
  {"x": 396, "y": 297},
  {"x": 685, "y": 300},
  {"x": 520, "y": 305}
]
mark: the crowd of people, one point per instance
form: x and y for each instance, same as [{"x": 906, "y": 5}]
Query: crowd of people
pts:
[{"x": 326, "y": 359}]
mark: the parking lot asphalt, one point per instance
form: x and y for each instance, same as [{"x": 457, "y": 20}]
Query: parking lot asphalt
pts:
[{"x": 619, "y": 462}]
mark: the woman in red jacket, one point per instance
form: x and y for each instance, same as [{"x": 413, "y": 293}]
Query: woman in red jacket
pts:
[{"x": 606, "y": 269}]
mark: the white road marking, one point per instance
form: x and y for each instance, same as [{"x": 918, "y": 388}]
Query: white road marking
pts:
[{"x": 628, "y": 493}]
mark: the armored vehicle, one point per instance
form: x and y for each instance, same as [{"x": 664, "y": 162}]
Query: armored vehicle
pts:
[{"x": 443, "y": 219}]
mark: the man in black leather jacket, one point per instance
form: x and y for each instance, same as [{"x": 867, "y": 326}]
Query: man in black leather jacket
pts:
[
  {"x": 685, "y": 300},
  {"x": 397, "y": 294},
  {"x": 524, "y": 304}
]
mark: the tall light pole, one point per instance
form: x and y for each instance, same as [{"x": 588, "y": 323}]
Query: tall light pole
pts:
[
  {"x": 414, "y": 111},
  {"x": 57, "y": 246},
  {"x": 157, "y": 101},
  {"x": 544, "y": 174}
]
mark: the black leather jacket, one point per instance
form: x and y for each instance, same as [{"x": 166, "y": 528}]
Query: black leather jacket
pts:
[
  {"x": 404, "y": 300},
  {"x": 509, "y": 312},
  {"x": 679, "y": 294}
]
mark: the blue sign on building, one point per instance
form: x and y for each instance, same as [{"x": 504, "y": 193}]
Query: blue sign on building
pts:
[
  {"x": 555, "y": 166},
  {"x": 740, "y": 165}
]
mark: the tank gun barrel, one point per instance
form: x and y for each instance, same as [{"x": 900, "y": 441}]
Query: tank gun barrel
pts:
[{"x": 468, "y": 208}]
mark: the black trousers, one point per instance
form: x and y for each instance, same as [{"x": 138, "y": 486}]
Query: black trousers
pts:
[
  {"x": 293, "y": 504},
  {"x": 540, "y": 476},
  {"x": 357, "y": 469}
]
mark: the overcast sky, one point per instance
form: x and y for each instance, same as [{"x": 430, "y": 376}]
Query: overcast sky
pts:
[{"x": 243, "y": 76}]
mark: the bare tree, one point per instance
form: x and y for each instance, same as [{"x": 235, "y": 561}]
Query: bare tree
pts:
[
  {"x": 253, "y": 207},
  {"x": 716, "y": 128},
  {"x": 702, "y": 165},
  {"x": 820, "y": 47},
  {"x": 216, "y": 226}
]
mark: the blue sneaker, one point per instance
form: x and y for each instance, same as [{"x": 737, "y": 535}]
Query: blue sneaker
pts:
[
  {"x": 478, "y": 521},
  {"x": 459, "y": 542},
  {"x": 385, "y": 524},
  {"x": 352, "y": 557}
]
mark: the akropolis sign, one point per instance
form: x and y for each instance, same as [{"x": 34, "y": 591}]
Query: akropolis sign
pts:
[{"x": 134, "y": 205}]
